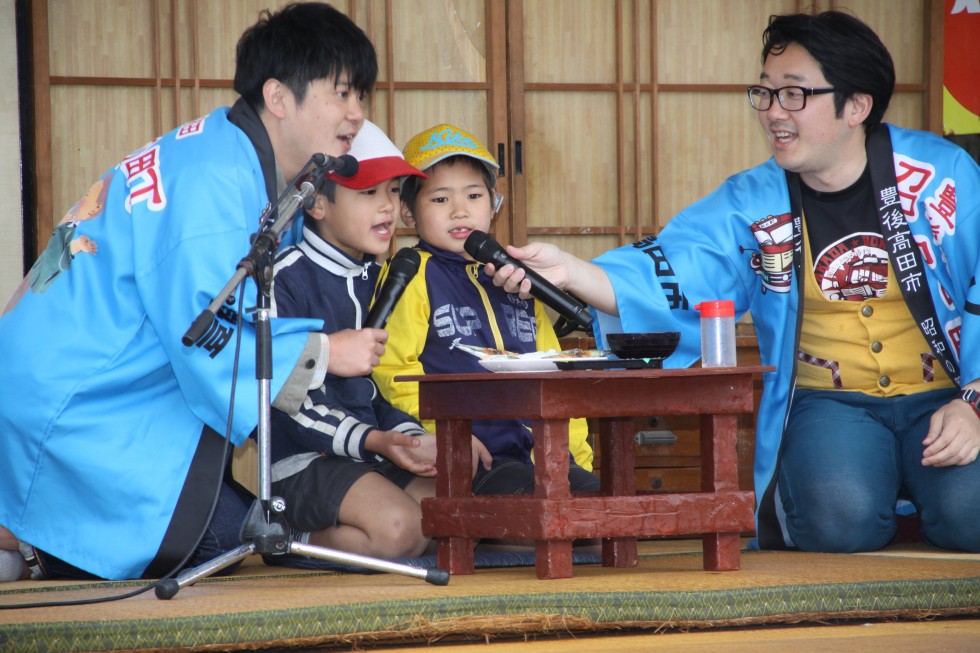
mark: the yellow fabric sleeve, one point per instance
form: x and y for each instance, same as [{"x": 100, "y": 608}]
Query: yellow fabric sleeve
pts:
[{"x": 407, "y": 328}]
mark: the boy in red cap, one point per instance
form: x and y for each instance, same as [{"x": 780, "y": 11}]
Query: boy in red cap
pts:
[{"x": 324, "y": 455}]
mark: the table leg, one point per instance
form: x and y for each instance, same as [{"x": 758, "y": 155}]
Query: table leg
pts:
[
  {"x": 552, "y": 558},
  {"x": 454, "y": 479},
  {"x": 722, "y": 551},
  {"x": 618, "y": 478},
  {"x": 719, "y": 471}
]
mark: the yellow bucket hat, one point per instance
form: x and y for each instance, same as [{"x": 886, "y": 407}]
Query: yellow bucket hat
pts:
[{"x": 431, "y": 146}]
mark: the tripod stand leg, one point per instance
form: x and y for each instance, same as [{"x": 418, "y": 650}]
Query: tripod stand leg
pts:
[
  {"x": 264, "y": 529},
  {"x": 169, "y": 587},
  {"x": 435, "y": 576}
]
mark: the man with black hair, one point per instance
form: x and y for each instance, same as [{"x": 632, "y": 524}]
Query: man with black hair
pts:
[
  {"x": 112, "y": 445},
  {"x": 855, "y": 250}
]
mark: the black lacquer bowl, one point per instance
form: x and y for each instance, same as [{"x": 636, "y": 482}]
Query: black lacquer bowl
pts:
[{"x": 659, "y": 344}]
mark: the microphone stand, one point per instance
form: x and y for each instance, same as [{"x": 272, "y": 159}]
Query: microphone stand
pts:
[{"x": 265, "y": 530}]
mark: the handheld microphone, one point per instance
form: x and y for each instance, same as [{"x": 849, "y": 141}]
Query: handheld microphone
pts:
[
  {"x": 402, "y": 267},
  {"x": 342, "y": 166},
  {"x": 485, "y": 249}
]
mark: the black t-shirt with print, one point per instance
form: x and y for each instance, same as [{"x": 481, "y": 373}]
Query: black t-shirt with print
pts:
[{"x": 850, "y": 260}]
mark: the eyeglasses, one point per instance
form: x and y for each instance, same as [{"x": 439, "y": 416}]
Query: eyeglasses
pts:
[{"x": 791, "y": 98}]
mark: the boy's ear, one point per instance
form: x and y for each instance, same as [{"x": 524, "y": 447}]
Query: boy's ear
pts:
[
  {"x": 319, "y": 209},
  {"x": 407, "y": 218},
  {"x": 273, "y": 92}
]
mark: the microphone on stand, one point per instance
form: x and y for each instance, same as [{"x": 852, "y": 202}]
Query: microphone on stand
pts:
[
  {"x": 485, "y": 249},
  {"x": 401, "y": 269},
  {"x": 323, "y": 165},
  {"x": 342, "y": 166}
]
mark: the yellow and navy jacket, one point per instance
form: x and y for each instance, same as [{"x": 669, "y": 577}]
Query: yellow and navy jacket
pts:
[{"x": 451, "y": 300}]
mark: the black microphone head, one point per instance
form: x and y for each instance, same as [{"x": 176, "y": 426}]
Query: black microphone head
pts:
[
  {"x": 347, "y": 166},
  {"x": 405, "y": 262},
  {"x": 402, "y": 267},
  {"x": 481, "y": 246}
]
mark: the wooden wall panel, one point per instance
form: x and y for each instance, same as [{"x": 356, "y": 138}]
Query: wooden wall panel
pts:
[
  {"x": 572, "y": 175},
  {"x": 585, "y": 77},
  {"x": 703, "y": 138},
  {"x": 88, "y": 129},
  {"x": 220, "y": 24},
  {"x": 571, "y": 41},
  {"x": 906, "y": 110},
  {"x": 627, "y": 110},
  {"x": 899, "y": 24},
  {"x": 102, "y": 39},
  {"x": 12, "y": 222},
  {"x": 713, "y": 41},
  {"x": 439, "y": 41},
  {"x": 584, "y": 247},
  {"x": 418, "y": 110}
]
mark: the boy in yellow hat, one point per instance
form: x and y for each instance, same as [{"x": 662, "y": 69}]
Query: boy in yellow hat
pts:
[{"x": 452, "y": 301}]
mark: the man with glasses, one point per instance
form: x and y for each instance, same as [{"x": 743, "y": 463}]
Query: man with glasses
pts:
[{"x": 855, "y": 249}]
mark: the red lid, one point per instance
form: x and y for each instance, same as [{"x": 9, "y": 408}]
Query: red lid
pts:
[{"x": 717, "y": 308}]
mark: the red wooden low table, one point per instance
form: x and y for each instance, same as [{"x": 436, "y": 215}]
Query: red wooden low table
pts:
[{"x": 553, "y": 517}]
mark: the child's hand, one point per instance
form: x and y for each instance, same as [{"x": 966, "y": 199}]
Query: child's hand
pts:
[
  {"x": 406, "y": 451},
  {"x": 355, "y": 352},
  {"x": 423, "y": 452},
  {"x": 480, "y": 455}
]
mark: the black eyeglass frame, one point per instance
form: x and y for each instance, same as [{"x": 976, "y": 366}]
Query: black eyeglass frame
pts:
[{"x": 774, "y": 92}]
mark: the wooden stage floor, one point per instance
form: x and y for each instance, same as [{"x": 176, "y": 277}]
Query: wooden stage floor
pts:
[{"x": 907, "y": 598}]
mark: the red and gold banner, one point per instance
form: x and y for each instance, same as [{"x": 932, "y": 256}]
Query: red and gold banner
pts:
[{"x": 961, "y": 68}]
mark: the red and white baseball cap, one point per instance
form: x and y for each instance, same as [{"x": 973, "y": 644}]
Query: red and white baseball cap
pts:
[{"x": 378, "y": 160}]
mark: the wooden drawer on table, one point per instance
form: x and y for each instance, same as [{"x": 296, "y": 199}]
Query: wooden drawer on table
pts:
[
  {"x": 681, "y": 479},
  {"x": 680, "y": 435},
  {"x": 675, "y": 441}
]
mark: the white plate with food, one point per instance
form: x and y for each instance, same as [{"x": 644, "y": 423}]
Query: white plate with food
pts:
[{"x": 539, "y": 361}]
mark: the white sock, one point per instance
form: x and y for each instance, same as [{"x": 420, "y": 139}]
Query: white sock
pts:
[
  {"x": 11, "y": 565},
  {"x": 301, "y": 537}
]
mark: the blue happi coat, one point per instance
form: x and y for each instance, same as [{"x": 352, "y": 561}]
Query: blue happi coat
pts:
[
  {"x": 737, "y": 243},
  {"x": 102, "y": 407}
]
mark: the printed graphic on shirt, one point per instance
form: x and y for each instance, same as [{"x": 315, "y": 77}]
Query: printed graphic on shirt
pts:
[
  {"x": 676, "y": 299},
  {"x": 142, "y": 170},
  {"x": 64, "y": 245},
  {"x": 854, "y": 268},
  {"x": 913, "y": 177},
  {"x": 774, "y": 259},
  {"x": 191, "y": 128},
  {"x": 452, "y": 321},
  {"x": 220, "y": 332},
  {"x": 941, "y": 211}
]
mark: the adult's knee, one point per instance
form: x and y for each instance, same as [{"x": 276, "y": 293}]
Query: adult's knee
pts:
[
  {"x": 842, "y": 528},
  {"x": 952, "y": 526}
]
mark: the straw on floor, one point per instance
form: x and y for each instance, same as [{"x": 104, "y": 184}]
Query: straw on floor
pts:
[{"x": 262, "y": 608}]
